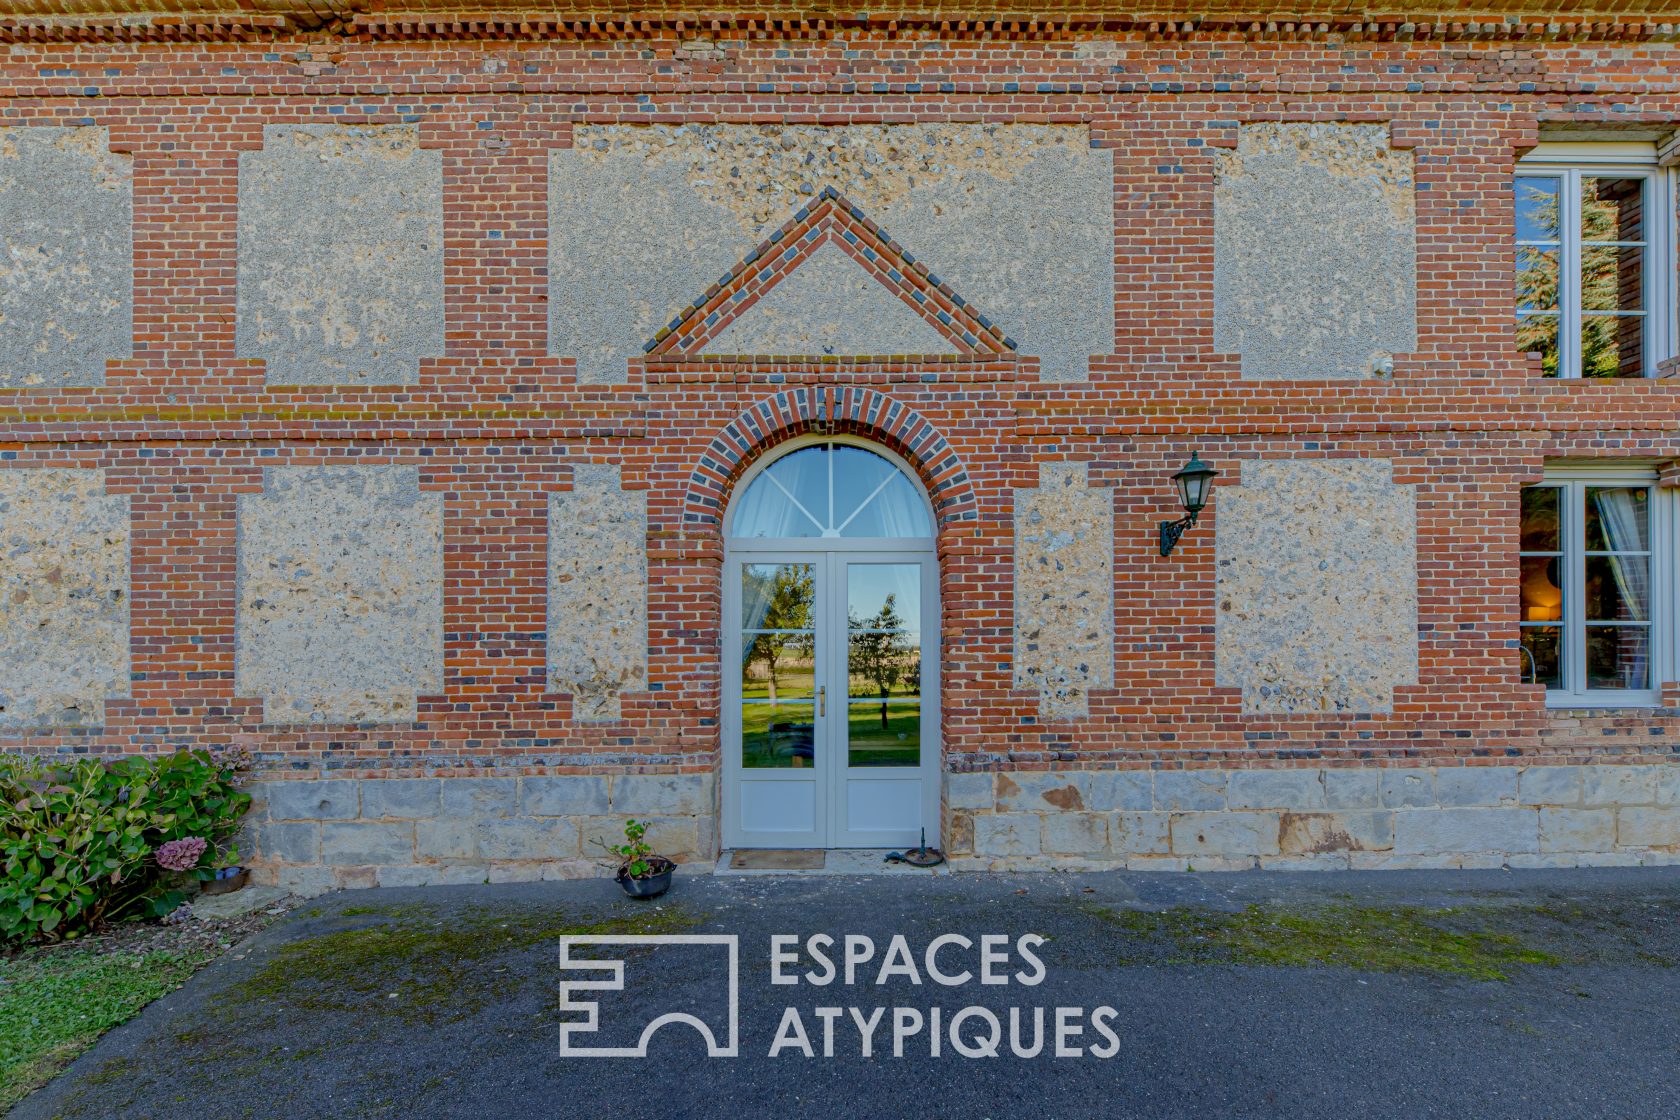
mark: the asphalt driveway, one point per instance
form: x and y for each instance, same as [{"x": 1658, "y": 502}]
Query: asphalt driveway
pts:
[{"x": 1471, "y": 994}]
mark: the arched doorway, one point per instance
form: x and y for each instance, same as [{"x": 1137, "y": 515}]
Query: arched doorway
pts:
[{"x": 830, "y": 651}]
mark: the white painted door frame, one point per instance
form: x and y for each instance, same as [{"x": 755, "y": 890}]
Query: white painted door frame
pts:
[{"x": 830, "y": 803}]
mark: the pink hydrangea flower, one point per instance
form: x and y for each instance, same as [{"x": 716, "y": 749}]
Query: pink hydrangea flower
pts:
[{"x": 181, "y": 855}]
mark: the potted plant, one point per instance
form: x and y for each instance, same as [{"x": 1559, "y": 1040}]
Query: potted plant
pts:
[
  {"x": 226, "y": 880},
  {"x": 640, "y": 872}
]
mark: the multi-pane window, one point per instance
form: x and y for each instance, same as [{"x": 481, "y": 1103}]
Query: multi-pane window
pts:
[
  {"x": 1590, "y": 288},
  {"x": 1589, "y": 603}
]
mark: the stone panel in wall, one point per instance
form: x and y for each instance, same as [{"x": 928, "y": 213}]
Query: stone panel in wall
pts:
[
  {"x": 597, "y": 592},
  {"x": 66, "y": 256},
  {"x": 340, "y": 254},
  {"x": 829, "y": 305},
  {"x": 340, "y": 594},
  {"x": 1316, "y": 586},
  {"x": 1064, "y": 590},
  {"x": 64, "y": 576},
  {"x": 1315, "y": 251},
  {"x": 1016, "y": 218}
]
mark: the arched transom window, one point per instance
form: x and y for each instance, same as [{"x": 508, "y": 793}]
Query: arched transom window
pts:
[{"x": 832, "y": 490}]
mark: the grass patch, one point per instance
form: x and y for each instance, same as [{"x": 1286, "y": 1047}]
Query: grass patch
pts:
[
  {"x": 428, "y": 966},
  {"x": 1369, "y": 939},
  {"x": 55, "y": 1004}
]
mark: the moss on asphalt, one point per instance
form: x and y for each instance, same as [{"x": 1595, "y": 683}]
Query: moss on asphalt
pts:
[
  {"x": 1363, "y": 938},
  {"x": 56, "y": 1003},
  {"x": 420, "y": 965}
]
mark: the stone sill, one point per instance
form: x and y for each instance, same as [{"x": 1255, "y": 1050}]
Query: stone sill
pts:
[{"x": 1610, "y": 711}]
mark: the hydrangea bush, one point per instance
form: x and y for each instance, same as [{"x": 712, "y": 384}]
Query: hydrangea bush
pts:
[
  {"x": 181, "y": 855},
  {"x": 90, "y": 840}
]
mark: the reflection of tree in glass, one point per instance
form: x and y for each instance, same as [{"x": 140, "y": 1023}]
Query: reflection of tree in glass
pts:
[
  {"x": 1610, "y": 279},
  {"x": 880, "y": 652},
  {"x": 1537, "y": 275},
  {"x": 787, "y": 607}
]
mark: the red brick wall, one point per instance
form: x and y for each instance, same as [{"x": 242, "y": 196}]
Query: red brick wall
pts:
[{"x": 185, "y": 425}]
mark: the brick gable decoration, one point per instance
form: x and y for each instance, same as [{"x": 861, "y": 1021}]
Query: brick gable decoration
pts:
[{"x": 833, "y": 221}]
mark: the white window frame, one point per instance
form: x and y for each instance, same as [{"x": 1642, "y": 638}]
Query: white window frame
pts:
[
  {"x": 1572, "y": 479},
  {"x": 1570, "y": 162}
]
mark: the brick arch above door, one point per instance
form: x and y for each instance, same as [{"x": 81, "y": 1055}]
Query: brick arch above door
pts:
[{"x": 829, "y": 410}]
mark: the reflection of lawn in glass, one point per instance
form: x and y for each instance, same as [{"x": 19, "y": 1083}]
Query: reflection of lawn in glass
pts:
[
  {"x": 897, "y": 744},
  {"x": 865, "y": 689},
  {"x": 789, "y": 746},
  {"x": 793, "y": 682}
]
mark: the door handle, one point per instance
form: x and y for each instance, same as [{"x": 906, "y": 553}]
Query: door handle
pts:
[{"x": 822, "y": 700}]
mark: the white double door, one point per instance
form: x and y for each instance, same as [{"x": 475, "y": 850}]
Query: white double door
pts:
[{"x": 831, "y": 705}]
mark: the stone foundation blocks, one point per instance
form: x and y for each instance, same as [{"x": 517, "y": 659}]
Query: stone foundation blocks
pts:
[
  {"x": 1317, "y": 818},
  {"x": 561, "y": 796},
  {"x": 313, "y": 835},
  {"x": 411, "y": 798},
  {"x": 1230, "y": 835},
  {"x": 327, "y": 799},
  {"x": 1076, "y": 833},
  {"x": 358, "y": 844},
  {"x": 1009, "y": 834},
  {"x": 1653, "y": 827}
]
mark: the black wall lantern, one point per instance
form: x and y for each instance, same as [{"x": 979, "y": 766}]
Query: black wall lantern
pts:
[{"x": 1195, "y": 482}]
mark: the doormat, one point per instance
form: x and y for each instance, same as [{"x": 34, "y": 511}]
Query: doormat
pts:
[{"x": 777, "y": 859}]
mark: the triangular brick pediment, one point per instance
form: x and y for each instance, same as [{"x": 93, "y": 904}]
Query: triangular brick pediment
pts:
[{"x": 829, "y": 282}]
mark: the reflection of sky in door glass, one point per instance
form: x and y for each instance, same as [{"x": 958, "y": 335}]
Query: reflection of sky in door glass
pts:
[{"x": 867, "y": 588}]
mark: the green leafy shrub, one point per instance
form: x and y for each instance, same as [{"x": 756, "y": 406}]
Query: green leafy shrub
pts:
[
  {"x": 636, "y": 858},
  {"x": 79, "y": 839}
]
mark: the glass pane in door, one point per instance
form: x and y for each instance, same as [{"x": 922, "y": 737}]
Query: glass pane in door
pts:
[
  {"x": 884, "y": 664},
  {"x": 778, "y": 651}
]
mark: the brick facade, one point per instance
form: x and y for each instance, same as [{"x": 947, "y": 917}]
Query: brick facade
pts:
[{"x": 186, "y": 424}]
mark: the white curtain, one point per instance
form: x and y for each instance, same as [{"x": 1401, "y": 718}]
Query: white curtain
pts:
[
  {"x": 900, "y": 511},
  {"x": 1623, "y": 517},
  {"x": 872, "y": 497},
  {"x": 758, "y": 588}
]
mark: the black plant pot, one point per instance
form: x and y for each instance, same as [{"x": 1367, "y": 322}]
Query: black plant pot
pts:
[
  {"x": 228, "y": 885},
  {"x": 649, "y": 886}
]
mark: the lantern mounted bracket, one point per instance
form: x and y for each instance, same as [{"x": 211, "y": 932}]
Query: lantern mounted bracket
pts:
[
  {"x": 1172, "y": 530},
  {"x": 1194, "y": 482}
]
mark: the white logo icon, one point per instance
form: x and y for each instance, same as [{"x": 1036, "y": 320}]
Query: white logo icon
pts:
[{"x": 610, "y": 978}]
